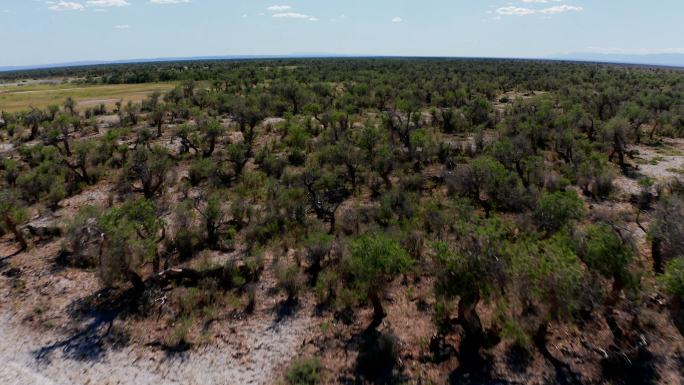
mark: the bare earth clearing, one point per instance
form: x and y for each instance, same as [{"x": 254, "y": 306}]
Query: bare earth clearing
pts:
[{"x": 86, "y": 346}]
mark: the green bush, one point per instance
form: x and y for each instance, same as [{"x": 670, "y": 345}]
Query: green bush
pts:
[
  {"x": 318, "y": 245},
  {"x": 673, "y": 279},
  {"x": 289, "y": 279},
  {"x": 306, "y": 372},
  {"x": 556, "y": 211},
  {"x": 374, "y": 260}
]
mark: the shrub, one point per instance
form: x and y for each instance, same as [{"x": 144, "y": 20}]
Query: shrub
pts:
[
  {"x": 306, "y": 372},
  {"x": 557, "y": 210},
  {"x": 318, "y": 245},
  {"x": 198, "y": 171},
  {"x": 603, "y": 184},
  {"x": 130, "y": 239},
  {"x": 673, "y": 278},
  {"x": 326, "y": 286},
  {"x": 186, "y": 235},
  {"x": 289, "y": 279}
]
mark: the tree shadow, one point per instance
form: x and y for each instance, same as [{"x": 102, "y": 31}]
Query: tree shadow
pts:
[
  {"x": 632, "y": 173},
  {"x": 4, "y": 264},
  {"x": 564, "y": 374},
  {"x": 285, "y": 310},
  {"x": 313, "y": 272},
  {"x": 518, "y": 358},
  {"x": 619, "y": 369},
  {"x": 473, "y": 369},
  {"x": 89, "y": 342},
  {"x": 377, "y": 356}
]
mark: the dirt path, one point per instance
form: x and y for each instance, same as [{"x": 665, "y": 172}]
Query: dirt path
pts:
[
  {"x": 97, "y": 101},
  {"x": 39, "y": 91}
]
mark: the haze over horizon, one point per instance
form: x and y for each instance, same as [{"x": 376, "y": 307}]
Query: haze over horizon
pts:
[{"x": 46, "y": 32}]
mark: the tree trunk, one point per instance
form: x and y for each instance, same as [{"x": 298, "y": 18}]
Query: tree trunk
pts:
[
  {"x": 540, "y": 337},
  {"x": 657, "y": 256},
  {"x": 352, "y": 175},
  {"x": 677, "y": 313},
  {"x": 212, "y": 146},
  {"x": 156, "y": 264},
  {"x": 66, "y": 146},
  {"x": 386, "y": 179},
  {"x": 621, "y": 156},
  {"x": 332, "y": 224},
  {"x": 13, "y": 227},
  {"x": 650, "y": 135},
  {"x": 85, "y": 176},
  {"x": 374, "y": 296},
  {"x": 34, "y": 132},
  {"x": 211, "y": 233},
  {"x": 468, "y": 317},
  {"x": 521, "y": 174},
  {"x": 590, "y": 131},
  {"x": 138, "y": 283},
  {"x": 610, "y": 303}
]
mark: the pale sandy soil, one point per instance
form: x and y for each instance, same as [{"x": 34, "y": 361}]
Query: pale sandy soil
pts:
[
  {"x": 252, "y": 356},
  {"x": 660, "y": 171}
]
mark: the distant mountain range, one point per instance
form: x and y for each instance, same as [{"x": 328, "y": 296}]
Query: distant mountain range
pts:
[
  {"x": 167, "y": 59},
  {"x": 664, "y": 59}
]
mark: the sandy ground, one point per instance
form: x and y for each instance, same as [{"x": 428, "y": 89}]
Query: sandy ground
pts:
[
  {"x": 667, "y": 158},
  {"x": 250, "y": 355}
]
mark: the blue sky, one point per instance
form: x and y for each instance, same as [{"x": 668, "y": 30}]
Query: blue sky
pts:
[{"x": 41, "y": 32}]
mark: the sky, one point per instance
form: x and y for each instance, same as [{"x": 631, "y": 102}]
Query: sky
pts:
[{"x": 45, "y": 32}]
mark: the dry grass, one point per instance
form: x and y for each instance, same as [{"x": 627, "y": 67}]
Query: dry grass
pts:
[{"x": 40, "y": 96}]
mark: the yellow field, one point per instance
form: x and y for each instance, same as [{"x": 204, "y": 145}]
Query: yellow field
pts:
[{"x": 40, "y": 96}]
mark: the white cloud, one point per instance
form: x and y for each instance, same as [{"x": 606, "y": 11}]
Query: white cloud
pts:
[
  {"x": 168, "y": 1},
  {"x": 561, "y": 8},
  {"x": 279, "y": 8},
  {"x": 313, "y": 19},
  {"x": 107, "y": 3},
  {"x": 291, "y": 15},
  {"x": 122, "y": 26},
  {"x": 515, "y": 11},
  {"x": 397, "y": 20},
  {"x": 99, "y": 10},
  {"x": 519, "y": 11},
  {"x": 260, "y": 14},
  {"x": 62, "y": 6}
]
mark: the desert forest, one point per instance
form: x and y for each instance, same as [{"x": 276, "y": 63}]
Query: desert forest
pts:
[{"x": 342, "y": 221}]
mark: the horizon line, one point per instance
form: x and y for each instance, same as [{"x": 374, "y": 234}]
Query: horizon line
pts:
[{"x": 555, "y": 57}]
